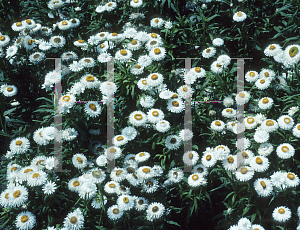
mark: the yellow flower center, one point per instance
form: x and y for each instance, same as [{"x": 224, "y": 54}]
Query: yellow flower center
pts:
[
  {"x": 24, "y": 219},
  {"x": 111, "y": 185},
  {"x": 9, "y": 89},
  {"x": 287, "y": 120},
  {"x": 244, "y": 170},
  {"x": 44, "y": 29},
  {"x": 93, "y": 107},
  {"x": 291, "y": 176},
  {"x": 123, "y": 52},
  {"x": 153, "y": 35},
  {"x": 125, "y": 199},
  {"x": 174, "y": 95},
  {"x": 258, "y": 160},
  {"x": 175, "y": 103},
  {"x": 73, "y": 220},
  {"x": 285, "y": 149},
  {"x": 73, "y": 20},
  {"x": 298, "y": 127},
  {"x": 144, "y": 82},
  {"x": 57, "y": 40},
  {"x": 90, "y": 78},
  {"x": 36, "y": 56},
  {"x": 66, "y": 98},
  {"x": 35, "y": 175},
  {"x": 102, "y": 46},
  {"x": 76, "y": 183},
  {"x": 28, "y": 170},
  {"x": 250, "y": 120},
  {"x": 269, "y": 123},
  {"x": 156, "y": 20},
  {"x": 217, "y": 123},
  {"x": 79, "y": 159},
  {"x": 272, "y": 47},
  {"x": 13, "y": 169},
  {"x": 2, "y": 38},
  {"x": 228, "y": 110},
  {"x": 242, "y": 95},
  {"x": 18, "y": 142},
  {"x": 142, "y": 154},
  {"x": 153, "y": 43},
  {"x": 115, "y": 211},
  {"x": 114, "y": 34},
  {"x": 197, "y": 69},
  {"x": 119, "y": 138},
  {"x": 138, "y": 116},
  {"x": 244, "y": 154},
  {"x": 155, "y": 209},
  {"x": 154, "y": 77},
  {"x": 263, "y": 184},
  {"x": 37, "y": 163},
  {"x": 233, "y": 124},
  {"x": 87, "y": 60},
  {"x": 55, "y": 2},
  {"x": 265, "y": 100},
  {"x": 18, "y": 23},
  {"x": 208, "y": 50},
  {"x": 208, "y": 157},
  {"x": 146, "y": 170},
  {"x": 218, "y": 65},
  {"x": 30, "y": 41},
  {"x": 157, "y": 51},
  {"x": 102, "y": 35},
  {"x": 184, "y": 89},
  {"x": 230, "y": 159},
  {"x": 81, "y": 41},
  {"x": 109, "y": 4},
  {"x": 155, "y": 113},
  {"x": 64, "y": 23},
  {"x": 133, "y": 42},
  {"x": 137, "y": 66},
  {"x": 251, "y": 74},
  {"x": 17, "y": 194},
  {"x": 293, "y": 51},
  {"x": 281, "y": 210},
  {"x": 262, "y": 81},
  {"x": 7, "y": 195},
  {"x": 239, "y": 14},
  {"x": 191, "y": 155},
  {"x": 119, "y": 172},
  {"x": 135, "y": 1},
  {"x": 195, "y": 177}
]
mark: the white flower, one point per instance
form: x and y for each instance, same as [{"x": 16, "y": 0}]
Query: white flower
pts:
[
  {"x": 162, "y": 126},
  {"x": 230, "y": 163},
  {"x": 244, "y": 173},
  {"x": 49, "y": 187},
  {"x": 129, "y": 132},
  {"x": 273, "y": 50},
  {"x": 173, "y": 142},
  {"x": 51, "y": 163},
  {"x": 98, "y": 202},
  {"x": 155, "y": 115},
  {"x": 137, "y": 118},
  {"x": 9, "y": 90},
  {"x": 11, "y": 51},
  {"x": 285, "y": 151},
  {"x": 217, "y": 67},
  {"x": 265, "y": 149},
  {"x": 37, "y": 178},
  {"x": 110, "y": 6},
  {"x": 242, "y": 98},
  {"x": 228, "y": 101},
  {"x": 251, "y": 76},
  {"x": 291, "y": 55},
  {"x": 269, "y": 125},
  {"x": 79, "y": 160},
  {"x": 224, "y": 60},
  {"x": 87, "y": 62},
  {"x": 168, "y": 25},
  {"x": 186, "y": 134},
  {"x": 175, "y": 105},
  {"x": 209, "y": 52},
  {"x": 154, "y": 211},
  {"x": 145, "y": 173},
  {"x": 285, "y": 122},
  {"x": 125, "y": 202},
  {"x": 209, "y": 159},
  {"x": 281, "y": 214},
  {"x": 259, "y": 164},
  {"x": 293, "y": 110},
  {"x": 190, "y": 158},
  {"x": 265, "y": 103},
  {"x": 93, "y": 109},
  {"x": 267, "y": 74},
  {"x": 261, "y": 136},
  {"x": 88, "y": 190},
  {"x": 244, "y": 224},
  {"x": 263, "y": 187},
  {"x": 218, "y": 42},
  {"x": 19, "y": 145},
  {"x": 147, "y": 101},
  {"x": 119, "y": 140},
  {"x": 156, "y": 22},
  {"x": 262, "y": 84},
  {"x": 296, "y": 130},
  {"x": 239, "y": 16},
  {"x": 74, "y": 220},
  {"x": 100, "y": 9},
  {"x": 123, "y": 55},
  {"x": 69, "y": 134},
  {"x": 37, "y": 57},
  {"x": 25, "y": 220},
  {"x": 217, "y": 125},
  {"x": 64, "y": 25},
  {"x": 229, "y": 113},
  {"x": 278, "y": 180},
  {"x": 144, "y": 60},
  {"x": 291, "y": 179},
  {"x": 196, "y": 179},
  {"x": 114, "y": 212}
]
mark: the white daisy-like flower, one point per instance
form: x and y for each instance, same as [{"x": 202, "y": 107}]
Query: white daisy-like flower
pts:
[
  {"x": 209, "y": 52},
  {"x": 155, "y": 211},
  {"x": 119, "y": 140},
  {"x": 167, "y": 94},
  {"x": 285, "y": 122},
  {"x": 296, "y": 130},
  {"x": 79, "y": 160},
  {"x": 262, "y": 84},
  {"x": 18, "y": 195},
  {"x": 39, "y": 162},
  {"x": 250, "y": 122},
  {"x": 66, "y": 102},
  {"x": 137, "y": 69},
  {"x": 110, "y": 6},
  {"x": 291, "y": 179},
  {"x": 155, "y": 115},
  {"x": 221, "y": 152},
  {"x": 100, "y": 9},
  {"x": 118, "y": 174},
  {"x": 155, "y": 79},
  {"x": 4, "y": 40},
  {"x": 291, "y": 55},
  {"x": 141, "y": 203},
  {"x": 239, "y": 16},
  {"x": 263, "y": 187},
  {"x": 293, "y": 110},
  {"x": 228, "y": 101},
  {"x": 168, "y": 25},
  {"x": 143, "y": 84},
  {"x": 224, "y": 60},
  {"x": 11, "y": 51},
  {"x": 267, "y": 74},
  {"x": 98, "y": 202},
  {"x": 37, "y": 178},
  {"x": 87, "y": 62},
  {"x": 81, "y": 43},
  {"x": 51, "y": 163},
  {"x": 217, "y": 67},
  {"x": 244, "y": 224},
  {"x": 123, "y": 55},
  {"x": 44, "y": 45},
  {"x": 55, "y": 4},
  {"x": 229, "y": 113},
  {"x": 145, "y": 173},
  {"x": 57, "y": 41},
  {"x": 64, "y": 25},
  {"x": 74, "y": 22},
  {"x": 196, "y": 180},
  {"x": 117, "y": 152},
  {"x": 242, "y": 98},
  {"x": 114, "y": 212},
  {"x": 25, "y": 220},
  {"x": 134, "y": 45},
  {"x": 234, "y": 227},
  {"x": 265, "y": 149},
  {"x": 18, "y": 26},
  {"x": 92, "y": 108},
  {"x": 272, "y": 50},
  {"x": 156, "y": 22},
  {"x": 265, "y": 103},
  {"x": 137, "y": 118},
  {"x": 88, "y": 190},
  {"x": 261, "y": 136},
  {"x": 209, "y": 158},
  {"x": 218, "y": 42},
  {"x": 285, "y": 151},
  {"x": 74, "y": 220},
  {"x": 125, "y": 202},
  {"x": 136, "y": 16},
  {"x": 173, "y": 142},
  {"x": 147, "y": 101},
  {"x": 230, "y": 163},
  {"x": 186, "y": 134},
  {"x": 115, "y": 37},
  {"x": 185, "y": 91},
  {"x": 93, "y": 40},
  {"x": 37, "y": 57},
  {"x": 69, "y": 134},
  {"x": 259, "y": 163},
  {"x": 269, "y": 125},
  {"x": 49, "y": 188},
  {"x": 175, "y": 105},
  {"x": 244, "y": 173},
  {"x": 251, "y": 76},
  {"x": 157, "y": 54},
  {"x": 196, "y": 72},
  {"x": 29, "y": 43},
  {"x": 9, "y": 90},
  {"x": 217, "y": 125},
  {"x": 190, "y": 158},
  {"x": 74, "y": 184},
  {"x": 278, "y": 180},
  {"x": 257, "y": 227},
  {"x": 142, "y": 157},
  {"x": 162, "y": 126},
  {"x": 129, "y": 132},
  {"x": 144, "y": 61},
  {"x": 111, "y": 187},
  {"x": 281, "y": 214},
  {"x": 19, "y": 145}
]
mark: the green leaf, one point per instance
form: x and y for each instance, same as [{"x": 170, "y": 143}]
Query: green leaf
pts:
[{"x": 174, "y": 223}]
